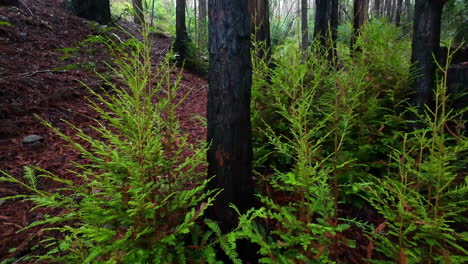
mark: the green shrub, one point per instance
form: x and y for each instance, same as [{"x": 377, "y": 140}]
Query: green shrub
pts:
[
  {"x": 423, "y": 195},
  {"x": 141, "y": 195}
]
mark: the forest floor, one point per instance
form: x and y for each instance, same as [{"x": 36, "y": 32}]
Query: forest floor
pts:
[{"x": 38, "y": 78}]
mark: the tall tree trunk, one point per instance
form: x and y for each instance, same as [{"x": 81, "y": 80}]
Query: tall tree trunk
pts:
[
  {"x": 182, "y": 38},
  {"x": 304, "y": 25},
  {"x": 260, "y": 23},
  {"x": 326, "y": 24},
  {"x": 389, "y": 10},
  {"x": 97, "y": 10},
  {"x": 138, "y": 8},
  {"x": 426, "y": 43},
  {"x": 377, "y": 8},
  {"x": 195, "y": 24},
  {"x": 360, "y": 13},
  {"x": 228, "y": 110},
  {"x": 399, "y": 9},
  {"x": 202, "y": 25}
]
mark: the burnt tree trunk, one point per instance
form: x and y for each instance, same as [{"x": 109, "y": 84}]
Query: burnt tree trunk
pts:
[
  {"x": 260, "y": 24},
  {"x": 97, "y": 10},
  {"x": 360, "y": 12},
  {"x": 228, "y": 110},
  {"x": 182, "y": 39},
  {"x": 425, "y": 45},
  {"x": 399, "y": 9},
  {"x": 326, "y": 24},
  {"x": 304, "y": 25},
  {"x": 138, "y": 8},
  {"x": 9, "y": 2}
]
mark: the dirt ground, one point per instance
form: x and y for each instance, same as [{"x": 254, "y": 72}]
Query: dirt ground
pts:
[{"x": 39, "y": 77}]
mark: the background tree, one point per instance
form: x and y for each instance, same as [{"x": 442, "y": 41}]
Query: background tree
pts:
[
  {"x": 304, "y": 25},
  {"x": 326, "y": 24},
  {"x": 139, "y": 16},
  {"x": 360, "y": 13},
  {"x": 228, "y": 110},
  {"x": 425, "y": 45},
  {"x": 376, "y": 8},
  {"x": 202, "y": 26},
  {"x": 399, "y": 9},
  {"x": 97, "y": 10},
  {"x": 260, "y": 24},
  {"x": 182, "y": 39}
]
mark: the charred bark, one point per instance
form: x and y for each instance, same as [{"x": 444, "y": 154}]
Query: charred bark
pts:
[
  {"x": 425, "y": 47},
  {"x": 97, "y": 10},
  {"x": 260, "y": 23},
  {"x": 360, "y": 13},
  {"x": 399, "y": 9},
  {"x": 9, "y": 2},
  {"x": 228, "y": 111},
  {"x": 304, "y": 25},
  {"x": 139, "y": 16},
  {"x": 326, "y": 25},
  {"x": 182, "y": 39}
]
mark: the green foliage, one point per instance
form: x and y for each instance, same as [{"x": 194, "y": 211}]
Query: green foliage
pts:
[
  {"x": 303, "y": 110},
  {"x": 5, "y": 23},
  {"x": 423, "y": 197},
  {"x": 326, "y": 134},
  {"x": 454, "y": 21},
  {"x": 140, "y": 196}
]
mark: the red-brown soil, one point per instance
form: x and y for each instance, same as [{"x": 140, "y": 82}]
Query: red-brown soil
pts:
[{"x": 35, "y": 80}]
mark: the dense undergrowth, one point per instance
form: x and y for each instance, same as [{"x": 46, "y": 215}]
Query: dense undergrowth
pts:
[{"x": 328, "y": 135}]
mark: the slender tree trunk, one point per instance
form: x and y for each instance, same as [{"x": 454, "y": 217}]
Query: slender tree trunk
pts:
[
  {"x": 260, "y": 23},
  {"x": 399, "y": 9},
  {"x": 138, "y": 8},
  {"x": 304, "y": 25},
  {"x": 195, "y": 22},
  {"x": 228, "y": 110},
  {"x": 182, "y": 38},
  {"x": 425, "y": 45},
  {"x": 202, "y": 24},
  {"x": 97, "y": 10},
  {"x": 360, "y": 13},
  {"x": 377, "y": 8},
  {"x": 389, "y": 10},
  {"x": 326, "y": 24}
]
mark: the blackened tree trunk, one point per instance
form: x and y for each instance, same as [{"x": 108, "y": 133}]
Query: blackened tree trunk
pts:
[
  {"x": 260, "y": 23},
  {"x": 425, "y": 45},
  {"x": 97, "y": 10},
  {"x": 304, "y": 25},
  {"x": 9, "y": 2},
  {"x": 228, "y": 111},
  {"x": 360, "y": 13},
  {"x": 326, "y": 24},
  {"x": 182, "y": 39},
  {"x": 399, "y": 9},
  {"x": 138, "y": 8}
]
